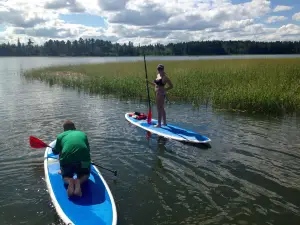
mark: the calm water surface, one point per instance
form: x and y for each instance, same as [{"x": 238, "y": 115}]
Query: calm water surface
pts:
[{"x": 250, "y": 174}]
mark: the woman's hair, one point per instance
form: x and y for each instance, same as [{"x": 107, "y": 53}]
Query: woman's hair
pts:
[
  {"x": 160, "y": 67},
  {"x": 69, "y": 125}
]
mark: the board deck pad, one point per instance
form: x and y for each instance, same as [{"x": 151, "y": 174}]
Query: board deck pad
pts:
[
  {"x": 94, "y": 207},
  {"x": 169, "y": 131}
]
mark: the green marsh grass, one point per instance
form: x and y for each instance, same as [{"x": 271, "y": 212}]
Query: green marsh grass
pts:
[{"x": 255, "y": 85}]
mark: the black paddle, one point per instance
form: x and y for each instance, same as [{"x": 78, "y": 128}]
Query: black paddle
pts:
[
  {"x": 37, "y": 143},
  {"x": 149, "y": 117},
  {"x": 113, "y": 171}
]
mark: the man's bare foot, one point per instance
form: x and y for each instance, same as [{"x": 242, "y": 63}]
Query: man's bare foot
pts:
[
  {"x": 70, "y": 190},
  {"x": 77, "y": 188},
  {"x": 59, "y": 172},
  {"x": 157, "y": 126}
]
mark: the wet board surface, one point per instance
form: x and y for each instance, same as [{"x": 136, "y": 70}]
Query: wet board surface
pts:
[
  {"x": 96, "y": 206},
  {"x": 169, "y": 131}
]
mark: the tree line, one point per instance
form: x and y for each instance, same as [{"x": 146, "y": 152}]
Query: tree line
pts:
[{"x": 97, "y": 47}]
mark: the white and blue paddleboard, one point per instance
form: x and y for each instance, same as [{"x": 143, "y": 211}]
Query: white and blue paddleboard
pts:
[
  {"x": 96, "y": 206},
  {"x": 169, "y": 131}
]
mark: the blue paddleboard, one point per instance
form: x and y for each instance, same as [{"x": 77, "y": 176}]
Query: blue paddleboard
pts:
[
  {"x": 96, "y": 206},
  {"x": 169, "y": 131}
]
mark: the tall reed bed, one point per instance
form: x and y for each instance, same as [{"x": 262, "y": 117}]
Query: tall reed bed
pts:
[{"x": 255, "y": 85}]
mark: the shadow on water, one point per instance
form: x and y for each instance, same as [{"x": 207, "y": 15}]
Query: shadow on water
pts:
[
  {"x": 162, "y": 141},
  {"x": 161, "y": 144},
  {"x": 198, "y": 145}
]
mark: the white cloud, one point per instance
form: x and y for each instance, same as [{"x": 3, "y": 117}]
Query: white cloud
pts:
[
  {"x": 235, "y": 24},
  {"x": 129, "y": 31},
  {"x": 73, "y": 6},
  {"x": 145, "y": 21},
  {"x": 186, "y": 22},
  {"x": 20, "y": 14},
  {"x": 54, "y": 29},
  {"x": 274, "y": 19},
  {"x": 112, "y": 5},
  {"x": 296, "y": 16},
  {"x": 280, "y": 8},
  {"x": 289, "y": 29},
  {"x": 148, "y": 14}
]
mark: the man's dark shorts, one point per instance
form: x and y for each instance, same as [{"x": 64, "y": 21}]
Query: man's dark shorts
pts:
[{"x": 69, "y": 170}]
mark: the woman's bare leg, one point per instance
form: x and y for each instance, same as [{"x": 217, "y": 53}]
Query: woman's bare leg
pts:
[
  {"x": 163, "y": 111},
  {"x": 159, "y": 116},
  {"x": 164, "y": 116},
  {"x": 159, "y": 112}
]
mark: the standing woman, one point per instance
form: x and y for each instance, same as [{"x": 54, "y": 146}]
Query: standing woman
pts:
[{"x": 160, "y": 93}]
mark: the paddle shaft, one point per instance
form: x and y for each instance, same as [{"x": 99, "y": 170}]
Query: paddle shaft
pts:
[
  {"x": 113, "y": 171},
  {"x": 147, "y": 83}
]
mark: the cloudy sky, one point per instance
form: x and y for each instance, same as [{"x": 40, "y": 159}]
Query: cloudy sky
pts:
[{"x": 149, "y": 21}]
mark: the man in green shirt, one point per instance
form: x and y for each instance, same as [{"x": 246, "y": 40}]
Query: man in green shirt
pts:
[{"x": 74, "y": 157}]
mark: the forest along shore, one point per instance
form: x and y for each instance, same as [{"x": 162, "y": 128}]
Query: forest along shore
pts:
[
  {"x": 97, "y": 47},
  {"x": 269, "y": 86}
]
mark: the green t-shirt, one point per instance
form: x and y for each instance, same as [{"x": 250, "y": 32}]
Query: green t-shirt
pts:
[{"x": 73, "y": 146}]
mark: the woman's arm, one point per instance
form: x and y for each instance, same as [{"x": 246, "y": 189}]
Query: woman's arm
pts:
[{"x": 170, "y": 84}]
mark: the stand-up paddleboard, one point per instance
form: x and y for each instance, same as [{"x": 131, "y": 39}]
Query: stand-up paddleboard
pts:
[
  {"x": 169, "y": 131},
  {"x": 96, "y": 206}
]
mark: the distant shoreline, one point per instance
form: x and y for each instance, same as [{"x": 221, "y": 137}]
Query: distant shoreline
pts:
[
  {"x": 89, "y": 56},
  {"x": 91, "y": 47}
]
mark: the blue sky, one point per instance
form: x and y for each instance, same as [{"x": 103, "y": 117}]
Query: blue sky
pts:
[
  {"x": 2, "y": 28},
  {"x": 149, "y": 21},
  {"x": 293, "y": 3},
  {"x": 84, "y": 19}
]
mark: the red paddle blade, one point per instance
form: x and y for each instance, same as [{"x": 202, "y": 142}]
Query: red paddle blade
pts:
[
  {"x": 37, "y": 143},
  {"x": 149, "y": 118}
]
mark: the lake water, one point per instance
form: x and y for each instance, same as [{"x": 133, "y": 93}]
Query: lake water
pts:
[{"x": 250, "y": 175}]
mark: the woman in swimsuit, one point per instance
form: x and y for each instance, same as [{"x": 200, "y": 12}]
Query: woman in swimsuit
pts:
[{"x": 160, "y": 93}]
